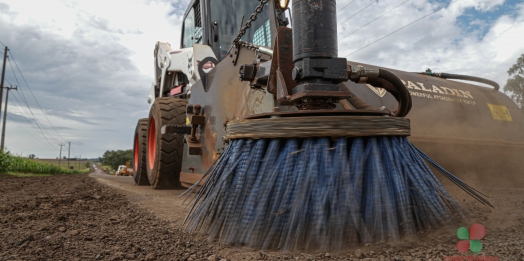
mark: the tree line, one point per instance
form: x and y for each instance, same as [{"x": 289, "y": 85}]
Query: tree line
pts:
[
  {"x": 116, "y": 158},
  {"x": 515, "y": 84}
]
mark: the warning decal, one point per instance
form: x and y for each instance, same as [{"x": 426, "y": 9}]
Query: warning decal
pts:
[
  {"x": 500, "y": 112},
  {"x": 379, "y": 91}
]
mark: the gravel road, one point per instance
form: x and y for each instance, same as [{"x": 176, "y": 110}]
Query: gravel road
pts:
[{"x": 103, "y": 217}]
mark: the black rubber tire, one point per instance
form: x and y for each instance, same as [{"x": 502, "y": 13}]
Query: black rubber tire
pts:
[
  {"x": 165, "y": 164},
  {"x": 139, "y": 153}
]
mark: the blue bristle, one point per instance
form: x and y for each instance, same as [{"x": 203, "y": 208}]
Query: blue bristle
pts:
[{"x": 320, "y": 194}]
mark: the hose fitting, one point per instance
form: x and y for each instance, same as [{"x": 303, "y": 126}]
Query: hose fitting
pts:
[{"x": 359, "y": 74}]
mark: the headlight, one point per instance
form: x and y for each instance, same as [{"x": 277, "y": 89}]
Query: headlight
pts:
[{"x": 283, "y": 4}]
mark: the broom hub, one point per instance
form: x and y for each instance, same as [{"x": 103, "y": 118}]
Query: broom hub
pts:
[{"x": 290, "y": 126}]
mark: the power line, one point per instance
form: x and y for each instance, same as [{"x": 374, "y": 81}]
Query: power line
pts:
[
  {"x": 34, "y": 96},
  {"x": 2, "y": 43},
  {"x": 60, "y": 157},
  {"x": 38, "y": 123},
  {"x": 38, "y": 126},
  {"x": 7, "y": 90},
  {"x": 25, "y": 100},
  {"x": 30, "y": 123},
  {"x": 2, "y": 78},
  {"x": 27, "y": 104},
  {"x": 74, "y": 152},
  {"x": 345, "y": 6},
  {"x": 18, "y": 103},
  {"x": 402, "y": 28},
  {"x": 39, "y": 140},
  {"x": 358, "y": 12},
  {"x": 373, "y": 20},
  {"x": 68, "y": 154},
  {"x": 27, "y": 119},
  {"x": 27, "y": 114}
]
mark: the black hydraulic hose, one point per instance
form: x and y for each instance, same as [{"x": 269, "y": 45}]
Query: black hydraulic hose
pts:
[
  {"x": 358, "y": 103},
  {"x": 404, "y": 101},
  {"x": 466, "y": 78}
]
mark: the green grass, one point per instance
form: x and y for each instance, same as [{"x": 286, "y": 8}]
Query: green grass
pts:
[
  {"x": 15, "y": 164},
  {"x": 77, "y": 164},
  {"x": 107, "y": 169}
]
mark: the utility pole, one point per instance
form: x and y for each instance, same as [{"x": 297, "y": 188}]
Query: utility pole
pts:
[
  {"x": 60, "y": 157},
  {"x": 68, "y": 154},
  {"x": 5, "y": 113},
  {"x": 2, "y": 80}
]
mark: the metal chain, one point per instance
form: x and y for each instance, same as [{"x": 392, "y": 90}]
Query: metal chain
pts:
[
  {"x": 248, "y": 45},
  {"x": 243, "y": 30}
]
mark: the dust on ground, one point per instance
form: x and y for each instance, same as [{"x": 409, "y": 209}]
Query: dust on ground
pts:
[{"x": 102, "y": 217}]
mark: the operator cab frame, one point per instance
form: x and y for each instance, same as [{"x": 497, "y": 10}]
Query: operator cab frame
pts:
[{"x": 216, "y": 23}]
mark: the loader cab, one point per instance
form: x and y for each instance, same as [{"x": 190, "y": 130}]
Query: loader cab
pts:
[
  {"x": 216, "y": 23},
  {"x": 192, "y": 26}
]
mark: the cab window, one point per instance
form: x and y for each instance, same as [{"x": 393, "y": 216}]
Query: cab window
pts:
[
  {"x": 228, "y": 14},
  {"x": 192, "y": 27}
]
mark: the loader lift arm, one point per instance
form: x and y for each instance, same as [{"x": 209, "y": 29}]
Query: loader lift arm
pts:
[{"x": 208, "y": 30}]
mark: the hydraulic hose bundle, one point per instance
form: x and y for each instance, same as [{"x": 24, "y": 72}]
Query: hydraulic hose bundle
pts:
[{"x": 386, "y": 79}]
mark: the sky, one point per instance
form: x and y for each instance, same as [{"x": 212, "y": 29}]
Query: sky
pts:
[{"x": 84, "y": 67}]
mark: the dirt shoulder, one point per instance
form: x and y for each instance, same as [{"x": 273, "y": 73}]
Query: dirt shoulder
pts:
[
  {"x": 74, "y": 217},
  {"x": 166, "y": 204},
  {"x": 103, "y": 217}
]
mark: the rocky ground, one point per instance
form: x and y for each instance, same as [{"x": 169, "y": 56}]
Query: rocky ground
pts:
[{"x": 75, "y": 217}]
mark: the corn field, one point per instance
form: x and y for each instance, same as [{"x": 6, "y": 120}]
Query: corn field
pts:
[{"x": 11, "y": 163}]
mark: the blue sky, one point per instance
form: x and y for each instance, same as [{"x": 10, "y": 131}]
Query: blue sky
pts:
[{"x": 478, "y": 22}]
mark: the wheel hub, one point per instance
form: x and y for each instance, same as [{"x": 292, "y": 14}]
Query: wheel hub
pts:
[{"x": 151, "y": 144}]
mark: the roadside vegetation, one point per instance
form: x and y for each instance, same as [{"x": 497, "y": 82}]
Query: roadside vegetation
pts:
[
  {"x": 64, "y": 163},
  {"x": 113, "y": 158},
  {"x": 23, "y": 167},
  {"x": 515, "y": 83},
  {"x": 108, "y": 169}
]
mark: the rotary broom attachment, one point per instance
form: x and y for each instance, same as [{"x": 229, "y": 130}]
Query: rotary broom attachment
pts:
[
  {"x": 320, "y": 178},
  {"x": 320, "y": 193}
]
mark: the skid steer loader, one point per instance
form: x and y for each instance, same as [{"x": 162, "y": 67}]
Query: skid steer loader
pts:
[{"x": 236, "y": 61}]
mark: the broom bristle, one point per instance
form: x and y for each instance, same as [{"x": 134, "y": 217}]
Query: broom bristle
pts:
[{"x": 318, "y": 194}]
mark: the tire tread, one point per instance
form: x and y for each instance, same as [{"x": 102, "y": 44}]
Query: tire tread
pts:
[{"x": 167, "y": 168}]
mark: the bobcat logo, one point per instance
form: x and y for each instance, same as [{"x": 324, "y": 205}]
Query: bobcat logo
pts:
[
  {"x": 190, "y": 65},
  {"x": 379, "y": 91}
]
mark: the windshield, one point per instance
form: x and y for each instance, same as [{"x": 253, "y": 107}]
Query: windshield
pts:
[{"x": 228, "y": 15}]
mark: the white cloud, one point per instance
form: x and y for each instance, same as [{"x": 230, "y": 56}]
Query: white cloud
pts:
[
  {"x": 138, "y": 25},
  {"x": 437, "y": 42},
  {"x": 90, "y": 62}
]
